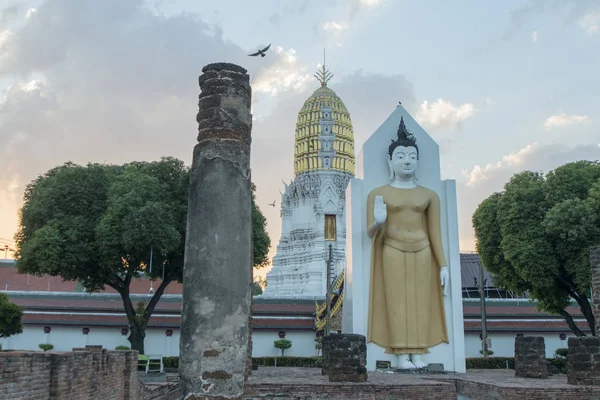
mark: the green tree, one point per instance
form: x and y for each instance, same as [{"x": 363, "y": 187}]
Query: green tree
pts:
[
  {"x": 536, "y": 234},
  {"x": 261, "y": 242},
  {"x": 105, "y": 225},
  {"x": 258, "y": 286},
  {"x": 283, "y": 345},
  {"x": 10, "y": 317}
]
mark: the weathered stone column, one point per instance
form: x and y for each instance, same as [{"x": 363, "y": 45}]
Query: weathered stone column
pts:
[
  {"x": 595, "y": 265},
  {"x": 217, "y": 268}
]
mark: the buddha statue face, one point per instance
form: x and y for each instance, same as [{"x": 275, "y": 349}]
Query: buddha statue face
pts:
[{"x": 403, "y": 162}]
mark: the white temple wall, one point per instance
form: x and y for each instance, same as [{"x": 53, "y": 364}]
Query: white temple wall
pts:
[
  {"x": 64, "y": 338},
  {"x": 503, "y": 344}
]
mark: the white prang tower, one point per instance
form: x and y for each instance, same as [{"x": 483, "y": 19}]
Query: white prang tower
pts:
[{"x": 313, "y": 204}]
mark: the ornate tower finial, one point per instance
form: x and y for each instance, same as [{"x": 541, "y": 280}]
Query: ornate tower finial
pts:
[{"x": 324, "y": 75}]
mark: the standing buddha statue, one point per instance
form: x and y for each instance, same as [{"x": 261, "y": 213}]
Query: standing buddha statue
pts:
[{"x": 409, "y": 275}]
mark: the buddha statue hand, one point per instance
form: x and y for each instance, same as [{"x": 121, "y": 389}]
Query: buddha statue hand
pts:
[
  {"x": 444, "y": 278},
  {"x": 380, "y": 211}
]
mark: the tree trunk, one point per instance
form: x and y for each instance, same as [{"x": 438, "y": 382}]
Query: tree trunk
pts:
[
  {"x": 138, "y": 324},
  {"x": 584, "y": 304},
  {"x": 569, "y": 319},
  {"x": 136, "y": 338}
]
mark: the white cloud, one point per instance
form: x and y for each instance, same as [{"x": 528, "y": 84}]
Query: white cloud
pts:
[
  {"x": 442, "y": 114},
  {"x": 479, "y": 173},
  {"x": 125, "y": 88},
  {"x": 355, "y": 6},
  {"x": 534, "y": 36},
  {"x": 333, "y": 26},
  {"x": 370, "y": 3},
  {"x": 563, "y": 119},
  {"x": 590, "y": 21},
  {"x": 30, "y": 12},
  {"x": 287, "y": 72},
  {"x": 5, "y": 37}
]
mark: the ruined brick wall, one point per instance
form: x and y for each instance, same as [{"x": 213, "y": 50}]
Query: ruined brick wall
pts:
[
  {"x": 24, "y": 375},
  {"x": 530, "y": 357},
  {"x": 583, "y": 361},
  {"x": 347, "y": 357},
  {"x": 83, "y": 374}
]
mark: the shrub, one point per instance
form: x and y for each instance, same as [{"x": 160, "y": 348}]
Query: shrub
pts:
[
  {"x": 10, "y": 317},
  {"x": 46, "y": 346},
  {"x": 490, "y": 363},
  {"x": 283, "y": 345},
  {"x": 558, "y": 365},
  {"x": 489, "y": 352},
  {"x": 311, "y": 362},
  {"x": 171, "y": 362},
  {"x": 122, "y": 348},
  {"x": 562, "y": 352},
  {"x": 319, "y": 344}
]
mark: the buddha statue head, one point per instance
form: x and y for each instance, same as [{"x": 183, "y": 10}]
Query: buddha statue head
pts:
[{"x": 403, "y": 154}]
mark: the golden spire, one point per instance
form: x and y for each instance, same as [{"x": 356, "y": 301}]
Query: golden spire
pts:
[{"x": 324, "y": 75}]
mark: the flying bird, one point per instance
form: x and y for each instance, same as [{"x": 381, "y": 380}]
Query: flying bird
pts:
[
  {"x": 261, "y": 52},
  {"x": 272, "y": 204}
]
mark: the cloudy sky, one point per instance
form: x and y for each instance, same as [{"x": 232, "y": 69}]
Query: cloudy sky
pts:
[{"x": 502, "y": 86}]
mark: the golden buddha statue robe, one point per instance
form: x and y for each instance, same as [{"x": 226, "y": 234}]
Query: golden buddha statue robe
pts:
[{"x": 406, "y": 305}]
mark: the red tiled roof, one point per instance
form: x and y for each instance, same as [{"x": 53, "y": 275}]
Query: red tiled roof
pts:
[
  {"x": 527, "y": 309},
  {"x": 523, "y": 326},
  {"x": 90, "y": 305},
  {"x": 10, "y": 279}
]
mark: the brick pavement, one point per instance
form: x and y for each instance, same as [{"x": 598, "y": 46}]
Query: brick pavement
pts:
[{"x": 308, "y": 384}]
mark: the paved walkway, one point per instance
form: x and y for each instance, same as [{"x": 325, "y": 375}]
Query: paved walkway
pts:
[
  {"x": 312, "y": 376},
  {"x": 506, "y": 378}
]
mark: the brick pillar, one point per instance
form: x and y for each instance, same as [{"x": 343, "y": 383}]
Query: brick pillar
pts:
[
  {"x": 583, "y": 361},
  {"x": 530, "y": 357},
  {"x": 347, "y": 358},
  {"x": 595, "y": 265},
  {"x": 217, "y": 280}
]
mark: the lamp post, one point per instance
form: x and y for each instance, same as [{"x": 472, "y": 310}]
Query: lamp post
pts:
[{"x": 484, "y": 340}]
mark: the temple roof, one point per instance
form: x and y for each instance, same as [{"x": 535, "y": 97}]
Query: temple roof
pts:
[{"x": 308, "y": 127}]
